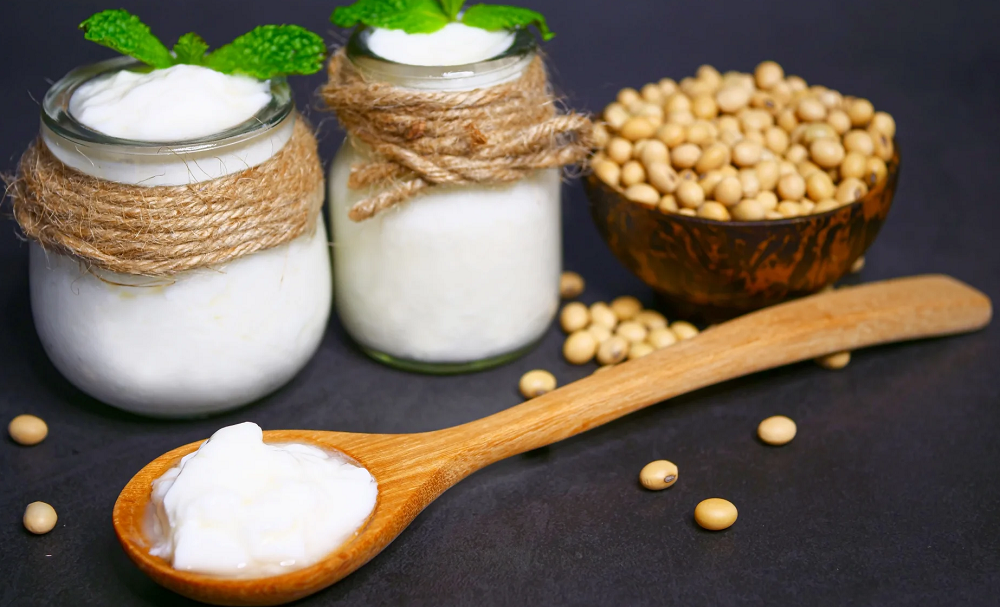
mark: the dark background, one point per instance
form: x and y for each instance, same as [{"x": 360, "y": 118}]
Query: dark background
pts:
[{"x": 890, "y": 495}]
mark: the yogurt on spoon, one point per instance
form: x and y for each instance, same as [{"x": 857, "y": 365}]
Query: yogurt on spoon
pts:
[{"x": 238, "y": 507}]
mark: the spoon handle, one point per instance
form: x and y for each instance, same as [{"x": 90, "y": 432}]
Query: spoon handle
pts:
[{"x": 845, "y": 319}]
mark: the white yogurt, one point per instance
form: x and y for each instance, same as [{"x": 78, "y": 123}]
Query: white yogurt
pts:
[
  {"x": 205, "y": 340},
  {"x": 238, "y": 507},
  {"x": 457, "y": 274},
  {"x": 173, "y": 104},
  {"x": 454, "y": 44}
]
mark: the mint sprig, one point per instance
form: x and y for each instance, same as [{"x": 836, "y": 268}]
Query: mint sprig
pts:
[
  {"x": 429, "y": 16},
  {"x": 190, "y": 49},
  {"x": 452, "y": 8},
  {"x": 411, "y": 16},
  {"x": 270, "y": 50},
  {"x": 495, "y": 17},
  {"x": 121, "y": 31},
  {"x": 265, "y": 52}
]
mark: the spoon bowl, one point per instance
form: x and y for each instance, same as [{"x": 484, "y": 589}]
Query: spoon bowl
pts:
[
  {"x": 412, "y": 470},
  {"x": 403, "y": 492}
]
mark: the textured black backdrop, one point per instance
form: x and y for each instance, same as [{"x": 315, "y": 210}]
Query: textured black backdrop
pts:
[{"x": 889, "y": 496}]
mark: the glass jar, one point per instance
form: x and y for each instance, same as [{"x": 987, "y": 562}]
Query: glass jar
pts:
[
  {"x": 203, "y": 340},
  {"x": 458, "y": 278}
]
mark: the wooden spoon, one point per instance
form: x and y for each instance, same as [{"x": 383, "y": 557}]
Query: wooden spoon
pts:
[{"x": 414, "y": 469}]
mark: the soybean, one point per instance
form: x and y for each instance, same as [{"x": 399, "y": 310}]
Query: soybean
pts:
[
  {"x": 819, "y": 186},
  {"x": 729, "y": 191},
  {"x": 654, "y": 151},
  {"x": 685, "y": 155},
  {"x": 663, "y": 177},
  {"x": 746, "y": 154},
  {"x": 777, "y": 430},
  {"x": 854, "y": 165},
  {"x": 733, "y": 98},
  {"x": 537, "y": 382},
  {"x": 713, "y": 210},
  {"x": 580, "y": 348},
  {"x": 658, "y": 475},
  {"x": 27, "y": 430},
  {"x": 791, "y": 187},
  {"x": 601, "y": 314},
  {"x": 613, "y": 351},
  {"x": 638, "y": 128},
  {"x": 748, "y": 210},
  {"x": 643, "y": 193},
  {"x": 683, "y": 330},
  {"x": 39, "y": 518},
  {"x": 571, "y": 285},
  {"x": 600, "y": 333},
  {"x": 834, "y": 362},
  {"x": 574, "y": 316},
  {"x": 850, "y": 190},
  {"x": 768, "y": 74},
  {"x": 609, "y": 172},
  {"x": 651, "y": 319},
  {"x": 827, "y": 153},
  {"x": 626, "y": 307},
  {"x": 689, "y": 194},
  {"x": 639, "y": 350},
  {"x": 632, "y": 332},
  {"x": 661, "y": 338},
  {"x": 715, "y": 514}
]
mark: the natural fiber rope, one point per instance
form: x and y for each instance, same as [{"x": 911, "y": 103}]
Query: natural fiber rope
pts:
[
  {"x": 163, "y": 230},
  {"x": 420, "y": 139}
]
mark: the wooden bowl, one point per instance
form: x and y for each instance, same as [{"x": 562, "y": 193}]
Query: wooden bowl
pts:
[{"x": 713, "y": 270}]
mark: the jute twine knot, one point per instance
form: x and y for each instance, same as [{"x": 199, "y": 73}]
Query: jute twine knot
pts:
[
  {"x": 422, "y": 139},
  {"x": 162, "y": 230}
]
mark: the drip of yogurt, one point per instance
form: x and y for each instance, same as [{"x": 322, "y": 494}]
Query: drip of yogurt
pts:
[
  {"x": 454, "y": 44},
  {"x": 238, "y": 507},
  {"x": 173, "y": 104}
]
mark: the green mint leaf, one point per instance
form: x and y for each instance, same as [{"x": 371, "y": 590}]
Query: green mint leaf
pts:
[
  {"x": 124, "y": 32},
  {"x": 411, "y": 16},
  {"x": 452, "y": 8},
  {"x": 495, "y": 17},
  {"x": 366, "y": 11},
  {"x": 421, "y": 17},
  {"x": 269, "y": 51},
  {"x": 190, "y": 49}
]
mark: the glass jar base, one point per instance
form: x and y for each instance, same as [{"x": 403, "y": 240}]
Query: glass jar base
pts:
[{"x": 428, "y": 368}]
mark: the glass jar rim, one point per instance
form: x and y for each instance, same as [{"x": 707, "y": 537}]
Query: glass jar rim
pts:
[
  {"x": 57, "y": 118},
  {"x": 521, "y": 51}
]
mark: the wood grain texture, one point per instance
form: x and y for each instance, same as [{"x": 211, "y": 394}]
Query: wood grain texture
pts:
[
  {"x": 414, "y": 469},
  {"x": 716, "y": 270}
]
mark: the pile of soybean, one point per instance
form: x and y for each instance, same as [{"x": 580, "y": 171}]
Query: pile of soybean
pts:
[
  {"x": 612, "y": 333},
  {"x": 743, "y": 147}
]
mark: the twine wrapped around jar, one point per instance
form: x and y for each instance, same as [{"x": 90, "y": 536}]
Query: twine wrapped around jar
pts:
[
  {"x": 163, "y": 230},
  {"x": 420, "y": 139}
]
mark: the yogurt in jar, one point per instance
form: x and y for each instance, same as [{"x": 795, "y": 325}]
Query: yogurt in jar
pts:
[
  {"x": 457, "y": 275},
  {"x": 173, "y": 104},
  {"x": 204, "y": 340},
  {"x": 454, "y": 44}
]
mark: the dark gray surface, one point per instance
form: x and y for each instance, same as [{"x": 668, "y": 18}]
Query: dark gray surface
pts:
[{"x": 890, "y": 495}]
